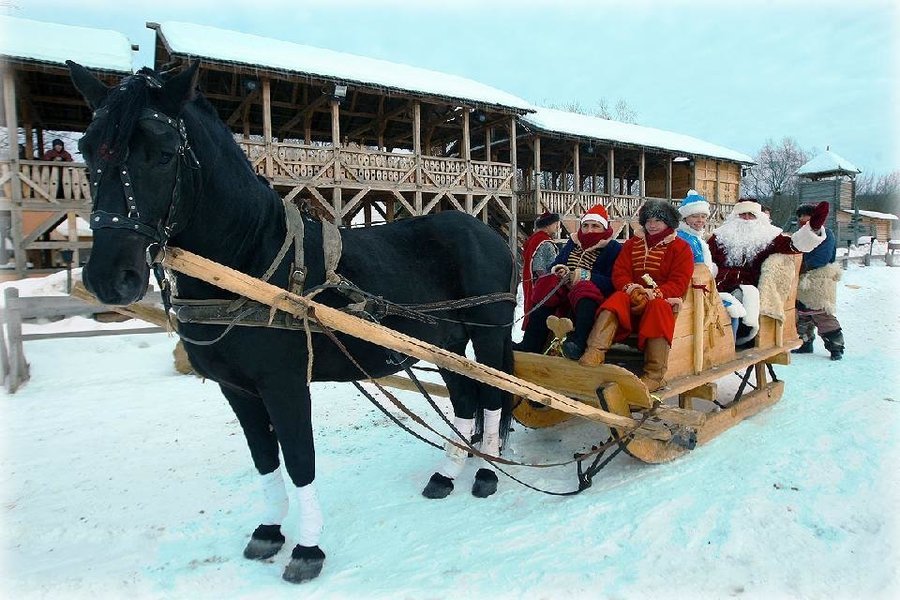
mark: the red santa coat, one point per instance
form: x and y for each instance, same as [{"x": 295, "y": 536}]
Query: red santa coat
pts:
[
  {"x": 670, "y": 262},
  {"x": 531, "y": 246},
  {"x": 730, "y": 277}
]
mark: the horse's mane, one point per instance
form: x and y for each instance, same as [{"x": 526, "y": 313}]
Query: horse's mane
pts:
[{"x": 123, "y": 106}]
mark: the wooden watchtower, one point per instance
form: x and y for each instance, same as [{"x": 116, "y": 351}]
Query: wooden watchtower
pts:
[{"x": 832, "y": 178}]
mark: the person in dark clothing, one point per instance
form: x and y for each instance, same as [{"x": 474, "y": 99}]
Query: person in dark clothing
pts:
[
  {"x": 584, "y": 266},
  {"x": 58, "y": 152},
  {"x": 817, "y": 293}
]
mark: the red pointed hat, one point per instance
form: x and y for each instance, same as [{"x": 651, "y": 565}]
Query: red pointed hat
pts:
[{"x": 597, "y": 213}]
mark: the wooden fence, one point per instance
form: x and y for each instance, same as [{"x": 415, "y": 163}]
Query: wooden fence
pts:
[{"x": 14, "y": 369}]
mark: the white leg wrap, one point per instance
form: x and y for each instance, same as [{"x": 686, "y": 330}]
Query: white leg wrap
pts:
[
  {"x": 275, "y": 497},
  {"x": 490, "y": 441},
  {"x": 310, "y": 522},
  {"x": 455, "y": 459}
]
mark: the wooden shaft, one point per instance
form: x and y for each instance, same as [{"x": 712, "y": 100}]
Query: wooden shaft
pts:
[{"x": 226, "y": 278}]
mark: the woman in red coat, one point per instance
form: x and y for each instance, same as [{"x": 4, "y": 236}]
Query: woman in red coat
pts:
[{"x": 651, "y": 275}]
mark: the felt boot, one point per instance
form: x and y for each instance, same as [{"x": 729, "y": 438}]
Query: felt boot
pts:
[
  {"x": 600, "y": 339},
  {"x": 575, "y": 342},
  {"x": 536, "y": 333},
  {"x": 834, "y": 343},
  {"x": 805, "y": 348},
  {"x": 656, "y": 359}
]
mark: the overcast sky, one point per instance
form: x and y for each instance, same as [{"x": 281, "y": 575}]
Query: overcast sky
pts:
[{"x": 733, "y": 73}]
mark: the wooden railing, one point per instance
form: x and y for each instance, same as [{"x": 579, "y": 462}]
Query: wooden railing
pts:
[
  {"x": 295, "y": 164},
  {"x": 47, "y": 182}
]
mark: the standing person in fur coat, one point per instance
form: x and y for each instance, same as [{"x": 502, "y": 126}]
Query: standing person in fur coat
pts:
[
  {"x": 584, "y": 265},
  {"x": 817, "y": 293},
  {"x": 652, "y": 274},
  {"x": 746, "y": 239}
]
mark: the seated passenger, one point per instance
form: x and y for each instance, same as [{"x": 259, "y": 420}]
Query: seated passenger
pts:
[
  {"x": 538, "y": 255},
  {"x": 584, "y": 269},
  {"x": 694, "y": 211},
  {"x": 652, "y": 274},
  {"x": 746, "y": 239}
]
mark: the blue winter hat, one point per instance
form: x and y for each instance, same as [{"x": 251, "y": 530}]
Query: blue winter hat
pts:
[{"x": 693, "y": 204}]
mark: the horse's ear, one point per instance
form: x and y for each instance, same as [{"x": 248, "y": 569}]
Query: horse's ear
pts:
[
  {"x": 182, "y": 88},
  {"x": 93, "y": 90}
]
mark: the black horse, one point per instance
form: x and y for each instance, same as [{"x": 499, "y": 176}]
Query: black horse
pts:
[{"x": 165, "y": 169}]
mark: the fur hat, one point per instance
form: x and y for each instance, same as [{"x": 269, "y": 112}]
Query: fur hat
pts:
[
  {"x": 58, "y": 142},
  {"x": 693, "y": 204},
  {"x": 658, "y": 209},
  {"x": 748, "y": 205},
  {"x": 805, "y": 210},
  {"x": 548, "y": 218},
  {"x": 597, "y": 213}
]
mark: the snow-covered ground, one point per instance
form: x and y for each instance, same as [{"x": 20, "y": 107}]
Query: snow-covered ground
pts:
[{"x": 123, "y": 479}]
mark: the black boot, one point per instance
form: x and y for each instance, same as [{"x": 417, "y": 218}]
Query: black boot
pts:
[
  {"x": 806, "y": 348},
  {"x": 575, "y": 343},
  {"x": 535, "y": 337},
  {"x": 834, "y": 343}
]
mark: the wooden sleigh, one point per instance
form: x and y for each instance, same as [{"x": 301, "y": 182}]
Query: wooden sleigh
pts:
[
  {"x": 552, "y": 389},
  {"x": 703, "y": 352}
]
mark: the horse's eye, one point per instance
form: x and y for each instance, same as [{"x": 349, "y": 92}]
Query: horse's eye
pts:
[{"x": 165, "y": 157}]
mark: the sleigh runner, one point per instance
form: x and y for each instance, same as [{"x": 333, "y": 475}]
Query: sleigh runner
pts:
[{"x": 552, "y": 389}]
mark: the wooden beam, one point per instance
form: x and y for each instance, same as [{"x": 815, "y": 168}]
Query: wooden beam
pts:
[
  {"x": 244, "y": 285},
  {"x": 267, "y": 124},
  {"x": 12, "y": 133}
]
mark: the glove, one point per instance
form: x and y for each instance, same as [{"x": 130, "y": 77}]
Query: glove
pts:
[
  {"x": 639, "y": 299},
  {"x": 560, "y": 271},
  {"x": 820, "y": 214}
]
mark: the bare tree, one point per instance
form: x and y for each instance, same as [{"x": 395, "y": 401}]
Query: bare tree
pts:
[
  {"x": 776, "y": 164},
  {"x": 622, "y": 111}
]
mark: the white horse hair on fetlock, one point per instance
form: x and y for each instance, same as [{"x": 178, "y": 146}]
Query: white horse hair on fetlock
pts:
[
  {"x": 490, "y": 440},
  {"x": 455, "y": 457},
  {"x": 275, "y": 497},
  {"x": 310, "y": 522}
]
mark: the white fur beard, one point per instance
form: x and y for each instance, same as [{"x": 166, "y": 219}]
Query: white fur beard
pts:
[{"x": 742, "y": 240}]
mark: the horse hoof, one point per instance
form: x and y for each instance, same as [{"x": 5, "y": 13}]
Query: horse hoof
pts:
[
  {"x": 485, "y": 483},
  {"x": 265, "y": 542},
  {"x": 306, "y": 563},
  {"x": 438, "y": 487}
]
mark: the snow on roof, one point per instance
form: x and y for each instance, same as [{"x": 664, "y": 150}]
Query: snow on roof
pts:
[
  {"x": 827, "y": 162},
  {"x": 549, "y": 119},
  {"x": 244, "y": 48},
  {"x": 54, "y": 43},
  {"x": 872, "y": 214}
]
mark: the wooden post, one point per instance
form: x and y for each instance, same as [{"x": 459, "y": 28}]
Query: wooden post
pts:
[
  {"x": 513, "y": 159},
  {"x": 668, "y": 178},
  {"x": 12, "y": 134},
  {"x": 611, "y": 172},
  {"x": 336, "y": 145},
  {"x": 18, "y": 367},
  {"x": 537, "y": 176},
  {"x": 576, "y": 162},
  {"x": 642, "y": 169},
  {"x": 699, "y": 318},
  {"x": 417, "y": 152},
  {"x": 467, "y": 156},
  {"x": 267, "y": 124}
]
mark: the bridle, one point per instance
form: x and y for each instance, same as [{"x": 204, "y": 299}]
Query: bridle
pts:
[{"x": 131, "y": 220}]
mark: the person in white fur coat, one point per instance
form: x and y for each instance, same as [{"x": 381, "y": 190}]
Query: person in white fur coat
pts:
[{"x": 746, "y": 239}]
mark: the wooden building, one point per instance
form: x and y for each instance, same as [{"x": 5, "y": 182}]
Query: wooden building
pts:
[
  {"x": 830, "y": 177},
  {"x": 353, "y": 135},
  {"x": 38, "y": 96},
  {"x": 358, "y": 139},
  {"x": 573, "y": 161}
]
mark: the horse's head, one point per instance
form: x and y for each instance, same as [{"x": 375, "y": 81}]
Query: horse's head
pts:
[{"x": 142, "y": 173}]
